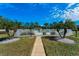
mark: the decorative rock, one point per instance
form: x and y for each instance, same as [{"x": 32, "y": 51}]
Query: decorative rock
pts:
[{"x": 68, "y": 41}]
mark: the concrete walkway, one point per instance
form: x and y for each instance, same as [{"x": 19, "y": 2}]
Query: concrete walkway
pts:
[{"x": 38, "y": 49}]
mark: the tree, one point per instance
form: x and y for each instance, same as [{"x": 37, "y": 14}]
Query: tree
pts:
[
  {"x": 69, "y": 24},
  {"x": 27, "y": 25},
  {"x": 17, "y": 25},
  {"x": 46, "y": 25},
  {"x": 31, "y": 26},
  {"x": 58, "y": 26},
  {"x": 4, "y": 24},
  {"x": 8, "y": 25},
  {"x": 1, "y": 22},
  {"x": 37, "y": 26}
]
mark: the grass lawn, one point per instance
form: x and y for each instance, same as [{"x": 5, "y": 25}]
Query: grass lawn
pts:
[
  {"x": 74, "y": 38},
  {"x": 54, "y": 48},
  {"x": 3, "y": 35},
  {"x": 22, "y": 47}
]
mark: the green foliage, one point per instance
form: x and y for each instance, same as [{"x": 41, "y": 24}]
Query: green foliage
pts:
[
  {"x": 9, "y": 24},
  {"x": 14, "y": 25},
  {"x": 68, "y": 24}
]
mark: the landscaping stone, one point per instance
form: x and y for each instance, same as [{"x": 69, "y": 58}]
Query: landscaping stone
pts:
[{"x": 66, "y": 40}]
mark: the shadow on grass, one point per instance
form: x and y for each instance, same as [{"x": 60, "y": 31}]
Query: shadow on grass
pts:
[
  {"x": 52, "y": 38},
  {"x": 5, "y": 38},
  {"x": 2, "y": 39}
]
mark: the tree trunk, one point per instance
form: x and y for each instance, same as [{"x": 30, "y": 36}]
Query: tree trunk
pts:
[
  {"x": 76, "y": 33},
  {"x": 59, "y": 33},
  {"x": 8, "y": 34},
  {"x": 7, "y": 31},
  {"x": 65, "y": 31},
  {"x": 14, "y": 31}
]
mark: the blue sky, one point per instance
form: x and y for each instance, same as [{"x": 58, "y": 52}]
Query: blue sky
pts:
[{"x": 40, "y": 12}]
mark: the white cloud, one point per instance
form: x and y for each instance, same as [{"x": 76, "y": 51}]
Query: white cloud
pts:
[
  {"x": 70, "y": 4},
  {"x": 55, "y": 12},
  {"x": 71, "y": 13}
]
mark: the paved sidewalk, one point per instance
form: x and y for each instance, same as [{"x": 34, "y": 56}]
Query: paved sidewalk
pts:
[{"x": 38, "y": 49}]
